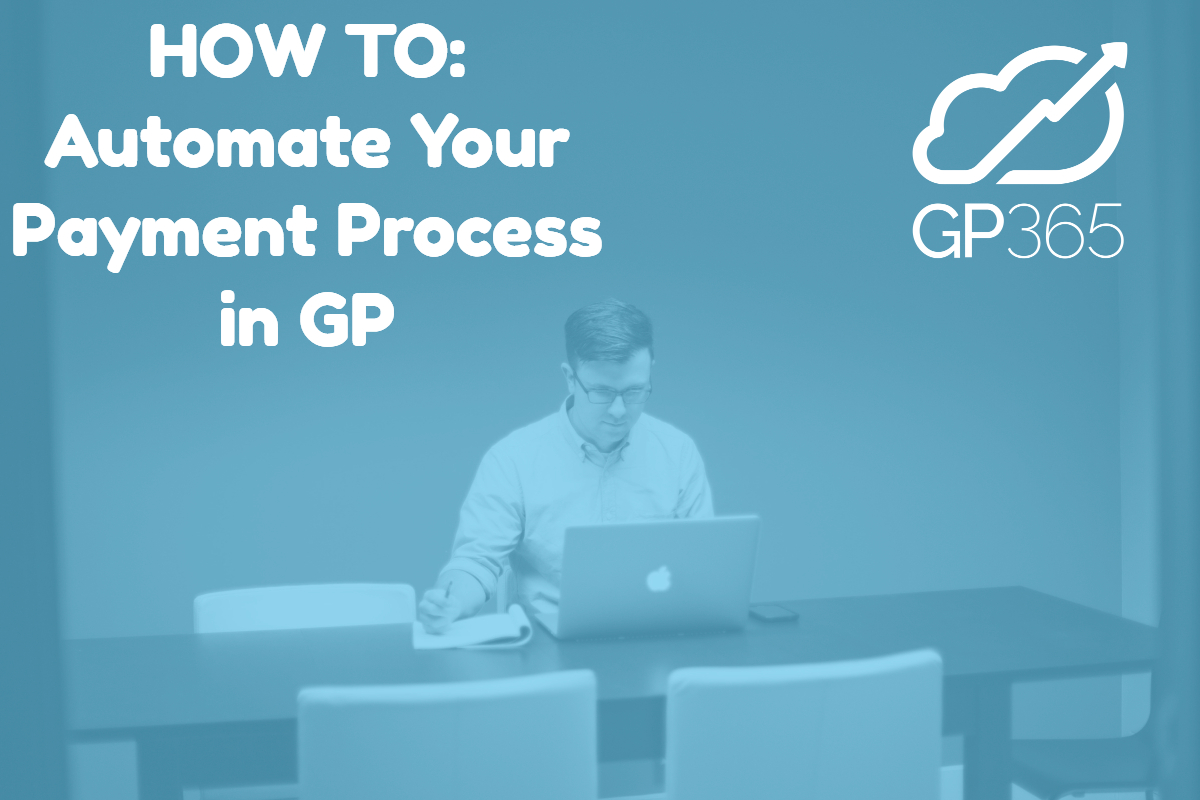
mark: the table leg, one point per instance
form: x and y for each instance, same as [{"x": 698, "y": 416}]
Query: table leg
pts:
[{"x": 987, "y": 744}]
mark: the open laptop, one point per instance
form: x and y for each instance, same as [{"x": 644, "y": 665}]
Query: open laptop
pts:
[{"x": 643, "y": 578}]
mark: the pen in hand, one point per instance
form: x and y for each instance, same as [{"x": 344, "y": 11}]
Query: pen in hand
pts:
[{"x": 436, "y": 620}]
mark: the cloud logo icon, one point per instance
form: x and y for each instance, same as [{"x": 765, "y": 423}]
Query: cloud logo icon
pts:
[{"x": 1114, "y": 56}]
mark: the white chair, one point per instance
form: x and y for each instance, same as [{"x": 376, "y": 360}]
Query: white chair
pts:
[
  {"x": 855, "y": 730},
  {"x": 326, "y": 605},
  {"x": 438, "y": 741},
  {"x": 323, "y": 605}
]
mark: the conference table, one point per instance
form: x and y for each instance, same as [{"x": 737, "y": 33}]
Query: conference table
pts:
[{"x": 220, "y": 709}]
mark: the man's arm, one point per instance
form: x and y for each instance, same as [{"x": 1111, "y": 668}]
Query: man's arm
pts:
[{"x": 489, "y": 528}]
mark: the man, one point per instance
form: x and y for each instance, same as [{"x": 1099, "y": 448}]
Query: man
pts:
[{"x": 597, "y": 459}]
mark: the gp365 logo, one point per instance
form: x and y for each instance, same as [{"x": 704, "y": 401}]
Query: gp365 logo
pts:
[{"x": 1113, "y": 55}]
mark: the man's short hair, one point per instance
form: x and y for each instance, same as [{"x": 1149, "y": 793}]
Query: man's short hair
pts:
[{"x": 607, "y": 331}]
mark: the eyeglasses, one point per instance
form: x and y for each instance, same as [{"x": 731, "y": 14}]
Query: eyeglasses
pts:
[{"x": 604, "y": 397}]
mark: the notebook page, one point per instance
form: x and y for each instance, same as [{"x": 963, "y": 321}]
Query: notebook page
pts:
[{"x": 485, "y": 631}]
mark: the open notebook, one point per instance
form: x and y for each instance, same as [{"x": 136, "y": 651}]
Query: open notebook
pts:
[{"x": 487, "y": 631}]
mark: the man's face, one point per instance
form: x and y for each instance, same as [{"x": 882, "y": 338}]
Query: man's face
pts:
[{"x": 604, "y": 425}]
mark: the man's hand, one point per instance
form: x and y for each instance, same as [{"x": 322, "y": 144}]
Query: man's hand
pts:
[
  {"x": 456, "y": 595},
  {"x": 437, "y": 610}
]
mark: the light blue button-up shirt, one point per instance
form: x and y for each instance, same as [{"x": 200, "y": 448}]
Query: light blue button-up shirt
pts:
[{"x": 544, "y": 478}]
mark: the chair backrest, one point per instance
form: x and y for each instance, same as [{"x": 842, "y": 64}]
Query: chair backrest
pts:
[
  {"x": 854, "y": 730},
  {"x": 325, "y": 605},
  {"x": 438, "y": 741}
]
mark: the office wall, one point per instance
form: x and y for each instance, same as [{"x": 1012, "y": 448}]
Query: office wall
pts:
[
  {"x": 900, "y": 423},
  {"x": 1140, "y": 320},
  {"x": 1177, "y": 734},
  {"x": 32, "y": 761}
]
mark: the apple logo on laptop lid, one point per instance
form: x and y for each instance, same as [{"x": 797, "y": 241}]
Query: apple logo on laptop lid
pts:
[{"x": 659, "y": 580}]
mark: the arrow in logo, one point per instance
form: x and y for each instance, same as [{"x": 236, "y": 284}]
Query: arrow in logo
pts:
[{"x": 1114, "y": 56}]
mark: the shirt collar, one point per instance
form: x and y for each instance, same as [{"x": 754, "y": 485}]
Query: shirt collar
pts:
[{"x": 586, "y": 451}]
